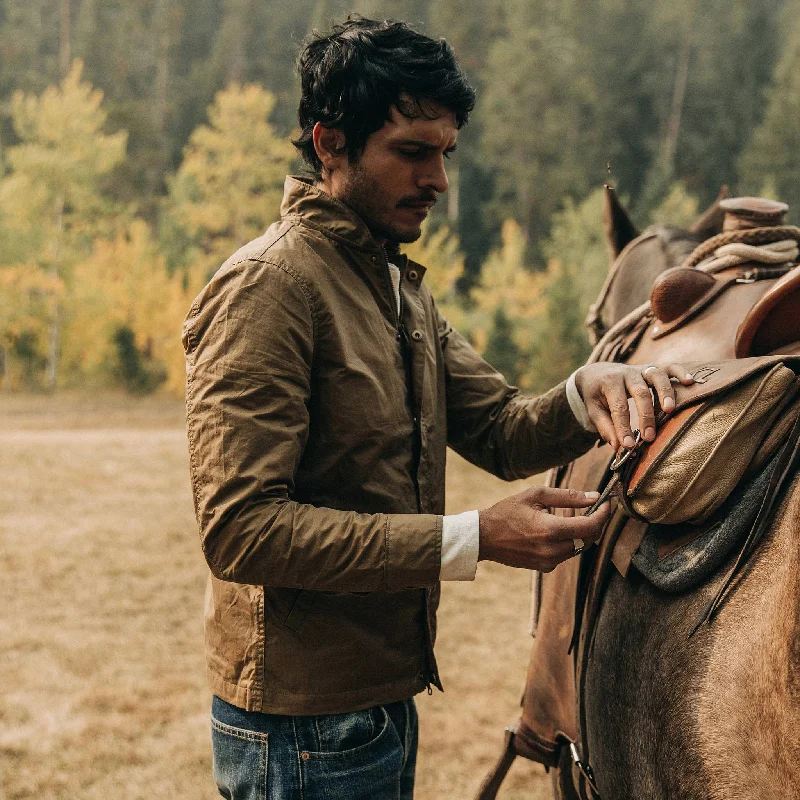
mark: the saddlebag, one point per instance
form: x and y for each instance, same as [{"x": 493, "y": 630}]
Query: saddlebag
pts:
[{"x": 724, "y": 427}]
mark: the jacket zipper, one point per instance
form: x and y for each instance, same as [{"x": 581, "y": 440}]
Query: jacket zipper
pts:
[{"x": 430, "y": 675}]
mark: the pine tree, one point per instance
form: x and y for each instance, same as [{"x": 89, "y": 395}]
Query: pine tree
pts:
[
  {"x": 538, "y": 116},
  {"x": 772, "y": 158},
  {"x": 506, "y": 303}
]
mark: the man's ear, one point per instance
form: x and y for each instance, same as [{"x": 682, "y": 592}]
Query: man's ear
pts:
[{"x": 329, "y": 144}]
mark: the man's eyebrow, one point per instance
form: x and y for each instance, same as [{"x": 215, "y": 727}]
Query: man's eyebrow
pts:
[{"x": 423, "y": 145}]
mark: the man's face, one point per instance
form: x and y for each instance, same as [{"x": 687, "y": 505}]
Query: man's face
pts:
[{"x": 396, "y": 180}]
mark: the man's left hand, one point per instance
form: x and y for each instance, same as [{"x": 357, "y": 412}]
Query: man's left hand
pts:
[{"x": 605, "y": 388}]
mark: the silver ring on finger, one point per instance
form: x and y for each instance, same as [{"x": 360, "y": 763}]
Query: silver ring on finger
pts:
[
  {"x": 647, "y": 369},
  {"x": 578, "y": 546}
]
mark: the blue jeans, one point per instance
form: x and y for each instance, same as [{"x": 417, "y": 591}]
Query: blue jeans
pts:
[{"x": 363, "y": 755}]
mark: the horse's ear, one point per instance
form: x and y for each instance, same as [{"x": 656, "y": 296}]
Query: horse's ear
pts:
[
  {"x": 709, "y": 223},
  {"x": 620, "y": 230}
]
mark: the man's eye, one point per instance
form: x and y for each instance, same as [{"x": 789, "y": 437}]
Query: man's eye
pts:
[{"x": 415, "y": 153}]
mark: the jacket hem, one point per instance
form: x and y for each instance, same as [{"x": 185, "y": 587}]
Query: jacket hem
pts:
[{"x": 305, "y": 705}]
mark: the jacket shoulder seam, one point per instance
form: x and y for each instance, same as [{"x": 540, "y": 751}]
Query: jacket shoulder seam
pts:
[{"x": 304, "y": 288}]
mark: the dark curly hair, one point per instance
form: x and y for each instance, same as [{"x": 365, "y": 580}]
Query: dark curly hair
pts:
[{"x": 353, "y": 76}]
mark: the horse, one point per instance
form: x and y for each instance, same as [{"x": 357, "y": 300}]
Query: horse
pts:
[{"x": 662, "y": 713}]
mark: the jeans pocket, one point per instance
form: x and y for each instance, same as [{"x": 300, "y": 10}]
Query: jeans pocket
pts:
[
  {"x": 239, "y": 761},
  {"x": 370, "y": 770}
]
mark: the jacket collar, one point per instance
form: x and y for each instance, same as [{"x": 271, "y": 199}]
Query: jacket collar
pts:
[
  {"x": 308, "y": 205},
  {"x": 311, "y": 206}
]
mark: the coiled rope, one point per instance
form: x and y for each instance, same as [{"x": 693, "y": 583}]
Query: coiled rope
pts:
[
  {"x": 732, "y": 255},
  {"x": 749, "y": 236}
]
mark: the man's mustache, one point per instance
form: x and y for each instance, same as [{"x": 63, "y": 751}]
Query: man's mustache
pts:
[{"x": 426, "y": 199}]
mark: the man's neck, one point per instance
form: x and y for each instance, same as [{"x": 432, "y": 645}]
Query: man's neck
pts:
[{"x": 325, "y": 186}]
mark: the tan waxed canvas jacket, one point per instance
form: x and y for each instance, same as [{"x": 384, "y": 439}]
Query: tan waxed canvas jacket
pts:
[{"x": 318, "y": 423}]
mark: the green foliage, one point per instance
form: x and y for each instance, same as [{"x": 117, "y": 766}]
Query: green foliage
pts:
[
  {"x": 678, "y": 209},
  {"x": 137, "y": 373},
  {"x": 179, "y": 123},
  {"x": 577, "y": 239},
  {"x": 560, "y": 344},
  {"x": 771, "y": 163},
  {"x": 502, "y": 352},
  {"x": 537, "y": 117},
  {"x": 440, "y": 254}
]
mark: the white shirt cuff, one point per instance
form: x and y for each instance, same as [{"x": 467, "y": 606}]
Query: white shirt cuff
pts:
[
  {"x": 460, "y": 542},
  {"x": 578, "y": 406}
]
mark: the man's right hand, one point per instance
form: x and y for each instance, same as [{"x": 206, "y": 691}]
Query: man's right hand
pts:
[{"x": 519, "y": 531}]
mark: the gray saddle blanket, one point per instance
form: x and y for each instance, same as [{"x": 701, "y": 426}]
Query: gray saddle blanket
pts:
[{"x": 693, "y": 562}]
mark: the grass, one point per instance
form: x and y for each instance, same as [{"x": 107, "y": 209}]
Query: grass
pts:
[{"x": 103, "y": 689}]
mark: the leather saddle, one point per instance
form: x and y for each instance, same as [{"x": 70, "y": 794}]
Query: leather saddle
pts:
[{"x": 739, "y": 311}]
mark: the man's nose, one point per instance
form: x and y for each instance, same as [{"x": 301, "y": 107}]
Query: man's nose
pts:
[{"x": 435, "y": 177}]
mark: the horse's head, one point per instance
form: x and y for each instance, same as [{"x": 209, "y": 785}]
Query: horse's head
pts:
[{"x": 636, "y": 259}]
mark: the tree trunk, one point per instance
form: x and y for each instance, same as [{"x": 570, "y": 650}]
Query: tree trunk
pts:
[
  {"x": 162, "y": 64},
  {"x": 65, "y": 38},
  {"x": 234, "y": 39},
  {"x": 679, "y": 93},
  {"x": 4, "y": 368},
  {"x": 55, "y": 330}
]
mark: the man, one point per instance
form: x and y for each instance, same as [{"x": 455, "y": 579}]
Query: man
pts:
[{"x": 323, "y": 389}]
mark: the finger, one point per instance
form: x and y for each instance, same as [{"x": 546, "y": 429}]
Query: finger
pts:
[
  {"x": 640, "y": 392},
  {"x": 551, "y": 497},
  {"x": 616, "y": 397},
  {"x": 603, "y": 422},
  {"x": 658, "y": 378},
  {"x": 679, "y": 372},
  {"x": 562, "y": 551},
  {"x": 587, "y": 528}
]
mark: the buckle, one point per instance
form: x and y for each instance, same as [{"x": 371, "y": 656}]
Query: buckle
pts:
[
  {"x": 628, "y": 454},
  {"x": 584, "y": 769}
]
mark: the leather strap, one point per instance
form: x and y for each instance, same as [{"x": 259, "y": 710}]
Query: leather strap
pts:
[
  {"x": 627, "y": 544},
  {"x": 491, "y": 783}
]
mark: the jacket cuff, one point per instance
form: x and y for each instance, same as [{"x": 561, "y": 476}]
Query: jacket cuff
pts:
[
  {"x": 460, "y": 545},
  {"x": 413, "y": 551},
  {"x": 578, "y": 406}
]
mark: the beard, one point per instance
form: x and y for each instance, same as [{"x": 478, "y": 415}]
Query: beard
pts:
[{"x": 367, "y": 197}]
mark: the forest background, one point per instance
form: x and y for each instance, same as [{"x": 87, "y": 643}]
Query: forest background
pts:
[{"x": 143, "y": 141}]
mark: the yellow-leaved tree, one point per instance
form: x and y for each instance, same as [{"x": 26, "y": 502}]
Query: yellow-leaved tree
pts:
[
  {"x": 127, "y": 312},
  {"x": 229, "y": 186},
  {"x": 51, "y": 207},
  {"x": 507, "y": 302}
]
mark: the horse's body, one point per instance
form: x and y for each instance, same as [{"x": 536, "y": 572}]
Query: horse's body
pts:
[{"x": 712, "y": 716}]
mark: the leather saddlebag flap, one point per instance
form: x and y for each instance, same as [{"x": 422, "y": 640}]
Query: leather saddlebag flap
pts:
[{"x": 718, "y": 431}]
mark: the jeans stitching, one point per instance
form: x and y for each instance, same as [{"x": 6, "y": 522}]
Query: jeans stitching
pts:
[
  {"x": 265, "y": 766},
  {"x": 297, "y": 752},
  {"x": 406, "y": 709},
  {"x": 239, "y": 733},
  {"x": 344, "y": 753}
]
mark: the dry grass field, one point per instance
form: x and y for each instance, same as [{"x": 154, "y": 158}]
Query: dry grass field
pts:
[{"x": 103, "y": 692}]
